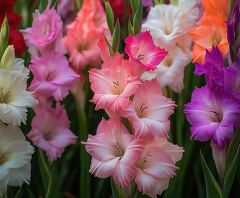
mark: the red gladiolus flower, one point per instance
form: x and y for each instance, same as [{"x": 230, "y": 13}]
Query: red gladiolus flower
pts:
[{"x": 15, "y": 37}]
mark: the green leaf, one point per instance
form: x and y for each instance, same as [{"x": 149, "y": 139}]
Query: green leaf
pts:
[
  {"x": 109, "y": 46},
  {"x": 137, "y": 19},
  {"x": 212, "y": 187},
  {"x": 4, "y": 34},
  {"x": 230, "y": 173},
  {"x": 42, "y": 5},
  {"x": 116, "y": 37},
  {"x": 130, "y": 28},
  {"x": 49, "y": 176},
  {"x": 54, "y": 3},
  {"x": 109, "y": 16},
  {"x": 134, "y": 5},
  {"x": 232, "y": 148}
]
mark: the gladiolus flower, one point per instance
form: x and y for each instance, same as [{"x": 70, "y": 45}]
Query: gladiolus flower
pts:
[
  {"x": 174, "y": 24},
  {"x": 15, "y": 157},
  {"x": 150, "y": 110},
  {"x": 213, "y": 116},
  {"x": 45, "y": 33},
  {"x": 90, "y": 23},
  {"x": 216, "y": 6},
  {"x": 170, "y": 72},
  {"x": 142, "y": 49},
  {"x": 14, "y": 99},
  {"x": 50, "y": 131},
  {"x": 114, "y": 152},
  {"x": 52, "y": 76},
  {"x": 113, "y": 84},
  {"x": 207, "y": 35},
  {"x": 10, "y": 63},
  {"x": 157, "y": 166}
]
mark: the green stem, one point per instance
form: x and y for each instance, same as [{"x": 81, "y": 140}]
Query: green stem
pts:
[
  {"x": 84, "y": 157},
  {"x": 46, "y": 174}
]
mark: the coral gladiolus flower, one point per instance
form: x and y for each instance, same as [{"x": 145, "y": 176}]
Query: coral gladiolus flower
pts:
[
  {"x": 142, "y": 49},
  {"x": 214, "y": 32},
  {"x": 90, "y": 23},
  {"x": 52, "y": 76},
  {"x": 113, "y": 84},
  {"x": 150, "y": 110},
  {"x": 50, "y": 131},
  {"x": 213, "y": 116},
  {"x": 114, "y": 152},
  {"x": 157, "y": 166}
]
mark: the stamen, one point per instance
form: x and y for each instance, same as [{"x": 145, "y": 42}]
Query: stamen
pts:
[
  {"x": 117, "y": 147},
  {"x": 140, "y": 56}
]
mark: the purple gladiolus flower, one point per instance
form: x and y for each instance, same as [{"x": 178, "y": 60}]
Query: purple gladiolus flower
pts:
[
  {"x": 213, "y": 116},
  {"x": 233, "y": 31},
  {"x": 218, "y": 76}
]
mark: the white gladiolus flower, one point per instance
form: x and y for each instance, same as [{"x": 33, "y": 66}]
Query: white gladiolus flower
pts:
[
  {"x": 14, "y": 99},
  {"x": 170, "y": 72},
  {"x": 9, "y": 63},
  {"x": 15, "y": 156},
  {"x": 169, "y": 23}
]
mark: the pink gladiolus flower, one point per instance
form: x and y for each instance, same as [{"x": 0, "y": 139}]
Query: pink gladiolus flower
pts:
[
  {"x": 45, "y": 33},
  {"x": 50, "y": 131},
  {"x": 52, "y": 76},
  {"x": 149, "y": 111},
  {"x": 142, "y": 49},
  {"x": 157, "y": 166},
  {"x": 90, "y": 23},
  {"x": 114, "y": 83},
  {"x": 114, "y": 152}
]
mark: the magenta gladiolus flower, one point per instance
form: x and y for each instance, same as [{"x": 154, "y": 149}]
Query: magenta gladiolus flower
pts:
[
  {"x": 142, "y": 49},
  {"x": 50, "y": 131},
  {"x": 52, "y": 76},
  {"x": 114, "y": 152},
  {"x": 150, "y": 110},
  {"x": 113, "y": 84},
  {"x": 213, "y": 115},
  {"x": 45, "y": 33}
]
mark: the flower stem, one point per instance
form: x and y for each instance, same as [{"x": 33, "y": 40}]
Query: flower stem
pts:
[{"x": 84, "y": 157}]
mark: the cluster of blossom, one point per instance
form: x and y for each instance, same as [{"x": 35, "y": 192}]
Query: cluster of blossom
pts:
[
  {"x": 214, "y": 110},
  {"x": 132, "y": 145},
  {"x": 211, "y": 29},
  {"x": 15, "y": 37},
  {"x": 52, "y": 80},
  {"x": 169, "y": 25},
  {"x": 15, "y": 151},
  {"x": 83, "y": 35}
]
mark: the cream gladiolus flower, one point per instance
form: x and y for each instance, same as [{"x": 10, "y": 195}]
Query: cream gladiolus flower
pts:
[
  {"x": 170, "y": 72},
  {"x": 15, "y": 156},
  {"x": 9, "y": 63},
  {"x": 14, "y": 99},
  {"x": 168, "y": 24}
]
